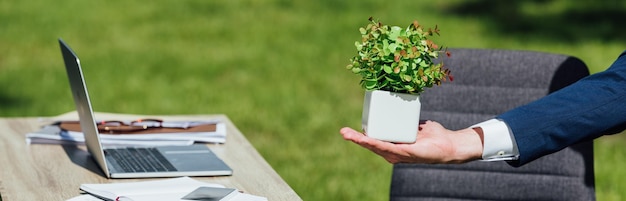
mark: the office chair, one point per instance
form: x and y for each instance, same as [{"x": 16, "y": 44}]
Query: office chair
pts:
[{"x": 486, "y": 83}]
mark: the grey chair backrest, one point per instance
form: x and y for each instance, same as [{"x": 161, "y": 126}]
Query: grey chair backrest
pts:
[{"x": 486, "y": 83}]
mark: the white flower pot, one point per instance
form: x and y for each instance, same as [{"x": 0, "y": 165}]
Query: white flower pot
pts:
[{"x": 391, "y": 117}]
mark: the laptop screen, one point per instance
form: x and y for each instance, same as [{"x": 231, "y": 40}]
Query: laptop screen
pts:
[{"x": 83, "y": 105}]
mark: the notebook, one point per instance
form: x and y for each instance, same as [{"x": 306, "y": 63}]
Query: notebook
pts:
[{"x": 136, "y": 162}]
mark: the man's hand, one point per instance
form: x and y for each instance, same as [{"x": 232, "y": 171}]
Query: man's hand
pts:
[{"x": 435, "y": 144}]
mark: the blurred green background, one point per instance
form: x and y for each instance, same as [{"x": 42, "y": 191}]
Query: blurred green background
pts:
[{"x": 277, "y": 68}]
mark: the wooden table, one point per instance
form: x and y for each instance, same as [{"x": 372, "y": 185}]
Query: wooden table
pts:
[{"x": 54, "y": 172}]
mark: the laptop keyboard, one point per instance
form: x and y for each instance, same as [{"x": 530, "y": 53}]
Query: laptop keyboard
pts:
[{"x": 139, "y": 160}]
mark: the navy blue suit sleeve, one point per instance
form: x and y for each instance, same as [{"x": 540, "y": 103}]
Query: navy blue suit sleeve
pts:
[{"x": 585, "y": 110}]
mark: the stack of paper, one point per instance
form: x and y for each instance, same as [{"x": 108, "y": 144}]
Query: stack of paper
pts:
[
  {"x": 183, "y": 188},
  {"x": 54, "y": 134}
]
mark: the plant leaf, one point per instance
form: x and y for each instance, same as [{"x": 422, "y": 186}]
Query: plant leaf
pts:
[
  {"x": 387, "y": 69},
  {"x": 394, "y": 33}
]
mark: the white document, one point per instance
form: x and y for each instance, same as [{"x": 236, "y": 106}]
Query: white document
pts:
[
  {"x": 237, "y": 197},
  {"x": 167, "y": 189},
  {"x": 52, "y": 134}
]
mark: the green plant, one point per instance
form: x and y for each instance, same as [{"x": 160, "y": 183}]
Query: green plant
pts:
[{"x": 398, "y": 60}]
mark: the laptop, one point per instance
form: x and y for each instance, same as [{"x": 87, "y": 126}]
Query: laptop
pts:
[{"x": 136, "y": 162}]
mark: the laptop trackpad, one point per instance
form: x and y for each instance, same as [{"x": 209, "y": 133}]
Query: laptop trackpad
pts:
[{"x": 192, "y": 158}]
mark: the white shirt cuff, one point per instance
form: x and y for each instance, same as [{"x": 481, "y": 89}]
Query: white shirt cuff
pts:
[{"x": 499, "y": 143}]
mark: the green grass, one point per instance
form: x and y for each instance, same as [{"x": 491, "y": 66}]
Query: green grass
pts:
[{"x": 275, "y": 67}]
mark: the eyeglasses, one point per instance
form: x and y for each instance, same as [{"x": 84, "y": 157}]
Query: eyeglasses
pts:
[
  {"x": 140, "y": 124},
  {"x": 144, "y": 124}
]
